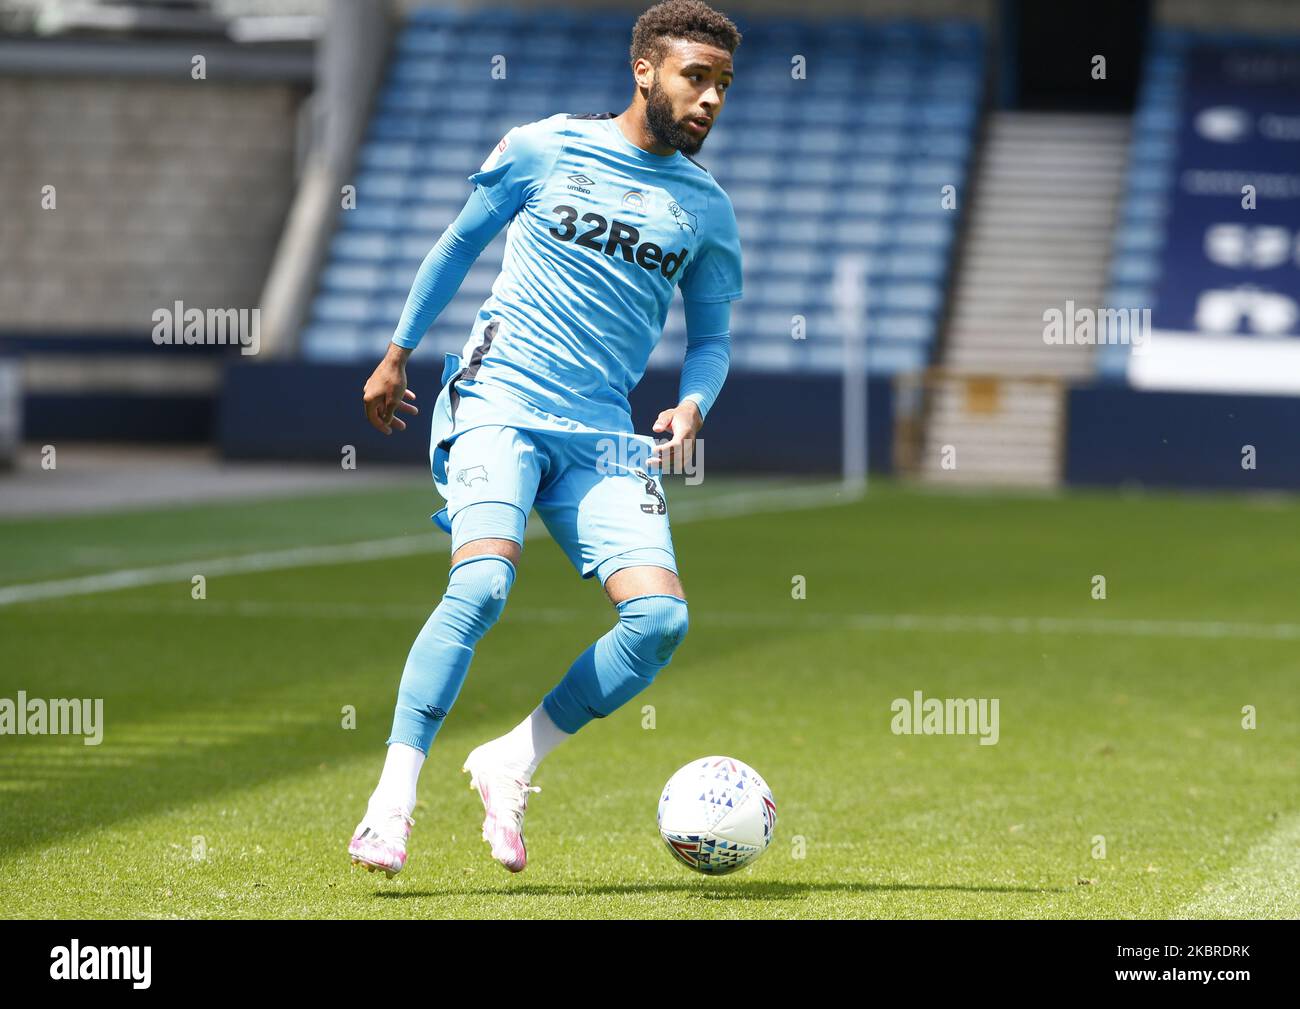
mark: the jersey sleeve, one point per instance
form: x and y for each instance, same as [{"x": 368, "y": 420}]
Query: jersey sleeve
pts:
[
  {"x": 517, "y": 165},
  {"x": 708, "y": 352},
  {"x": 714, "y": 272},
  {"x": 444, "y": 268}
]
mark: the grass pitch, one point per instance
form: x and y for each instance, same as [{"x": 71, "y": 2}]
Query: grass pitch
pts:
[{"x": 227, "y": 784}]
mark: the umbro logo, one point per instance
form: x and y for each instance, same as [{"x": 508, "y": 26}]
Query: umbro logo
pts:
[{"x": 580, "y": 182}]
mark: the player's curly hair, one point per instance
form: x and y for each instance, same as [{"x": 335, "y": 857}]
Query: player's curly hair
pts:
[{"x": 680, "y": 19}]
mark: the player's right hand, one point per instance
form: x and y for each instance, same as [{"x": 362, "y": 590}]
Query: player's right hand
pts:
[{"x": 386, "y": 393}]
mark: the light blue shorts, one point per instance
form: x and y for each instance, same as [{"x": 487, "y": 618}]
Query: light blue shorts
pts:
[{"x": 594, "y": 491}]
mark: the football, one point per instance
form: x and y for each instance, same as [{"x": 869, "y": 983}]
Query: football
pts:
[{"x": 716, "y": 815}]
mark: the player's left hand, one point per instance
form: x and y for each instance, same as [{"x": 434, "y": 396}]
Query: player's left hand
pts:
[{"x": 682, "y": 423}]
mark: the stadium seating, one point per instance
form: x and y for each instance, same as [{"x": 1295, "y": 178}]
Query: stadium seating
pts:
[
  {"x": 1139, "y": 235},
  {"x": 850, "y": 160}
]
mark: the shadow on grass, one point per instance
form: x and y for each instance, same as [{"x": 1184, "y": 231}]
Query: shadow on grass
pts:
[
  {"x": 67, "y": 790},
  {"x": 237, "y": 727},
  {"x": 711, "y": 890}
]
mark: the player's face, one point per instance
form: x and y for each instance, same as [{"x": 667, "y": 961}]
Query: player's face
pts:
[{"x": 687, "y": 94}]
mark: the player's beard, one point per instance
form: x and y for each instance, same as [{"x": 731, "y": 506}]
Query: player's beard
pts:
[{"x": 666, "y": 129}]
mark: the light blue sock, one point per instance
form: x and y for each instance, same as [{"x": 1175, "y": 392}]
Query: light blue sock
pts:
[
  {"x": 435, "y": 669},
  {"x": 621, "y": 664}
]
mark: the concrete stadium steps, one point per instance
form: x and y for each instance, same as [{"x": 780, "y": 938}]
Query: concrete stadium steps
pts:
[
  {"x": 1047, "y": 193},
  {"x": 1001, "y": 431},
  {"x": 1044, "y": 206}
]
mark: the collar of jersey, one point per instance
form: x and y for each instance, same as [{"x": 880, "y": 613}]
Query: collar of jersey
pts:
[{"x": 637, "y": 152}]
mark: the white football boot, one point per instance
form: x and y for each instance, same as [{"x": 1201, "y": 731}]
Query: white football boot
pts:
[
  {"x": 379, "y": 842},
  {"x": 505, "y": 800}
]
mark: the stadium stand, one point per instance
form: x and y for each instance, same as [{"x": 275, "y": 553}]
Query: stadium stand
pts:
[
  {"x": 163, "y": 190},
  {"x": 160, "y": 17},
  {"x": 150, "y": 180},
  {"x": 1043, "y": 207},
  {"x": 1186, "y": 246},
  {"x": 1139, "y": 236},
  {"x": 859, "y": 171}
]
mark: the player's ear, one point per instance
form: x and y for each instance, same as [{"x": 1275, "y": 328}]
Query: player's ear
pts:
[{"x": 644, "y": 72}]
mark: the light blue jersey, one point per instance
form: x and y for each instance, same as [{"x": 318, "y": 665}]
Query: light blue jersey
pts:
[
  {"x": 534, "y": 414},
  {"x": 602, "y": 232}
]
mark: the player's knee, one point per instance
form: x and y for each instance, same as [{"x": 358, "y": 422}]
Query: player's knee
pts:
[
  {"x": 655, "y": 626},
  {"x": 477, "y": 590}
]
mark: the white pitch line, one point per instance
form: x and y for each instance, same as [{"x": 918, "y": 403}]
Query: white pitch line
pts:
[
  {"x": 269, "y": 560},
  {"x": 752, "y": 502},
  {"x": 1265, "y": 884},
  {"x": 805, "y": 621},
  {"x": 960, "y": 624}
]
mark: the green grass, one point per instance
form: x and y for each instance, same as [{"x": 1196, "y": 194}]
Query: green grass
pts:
[{"x": 223, "y": 716}]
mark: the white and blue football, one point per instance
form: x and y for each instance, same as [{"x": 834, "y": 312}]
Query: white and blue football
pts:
[{"x": 716, "y": 815}]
